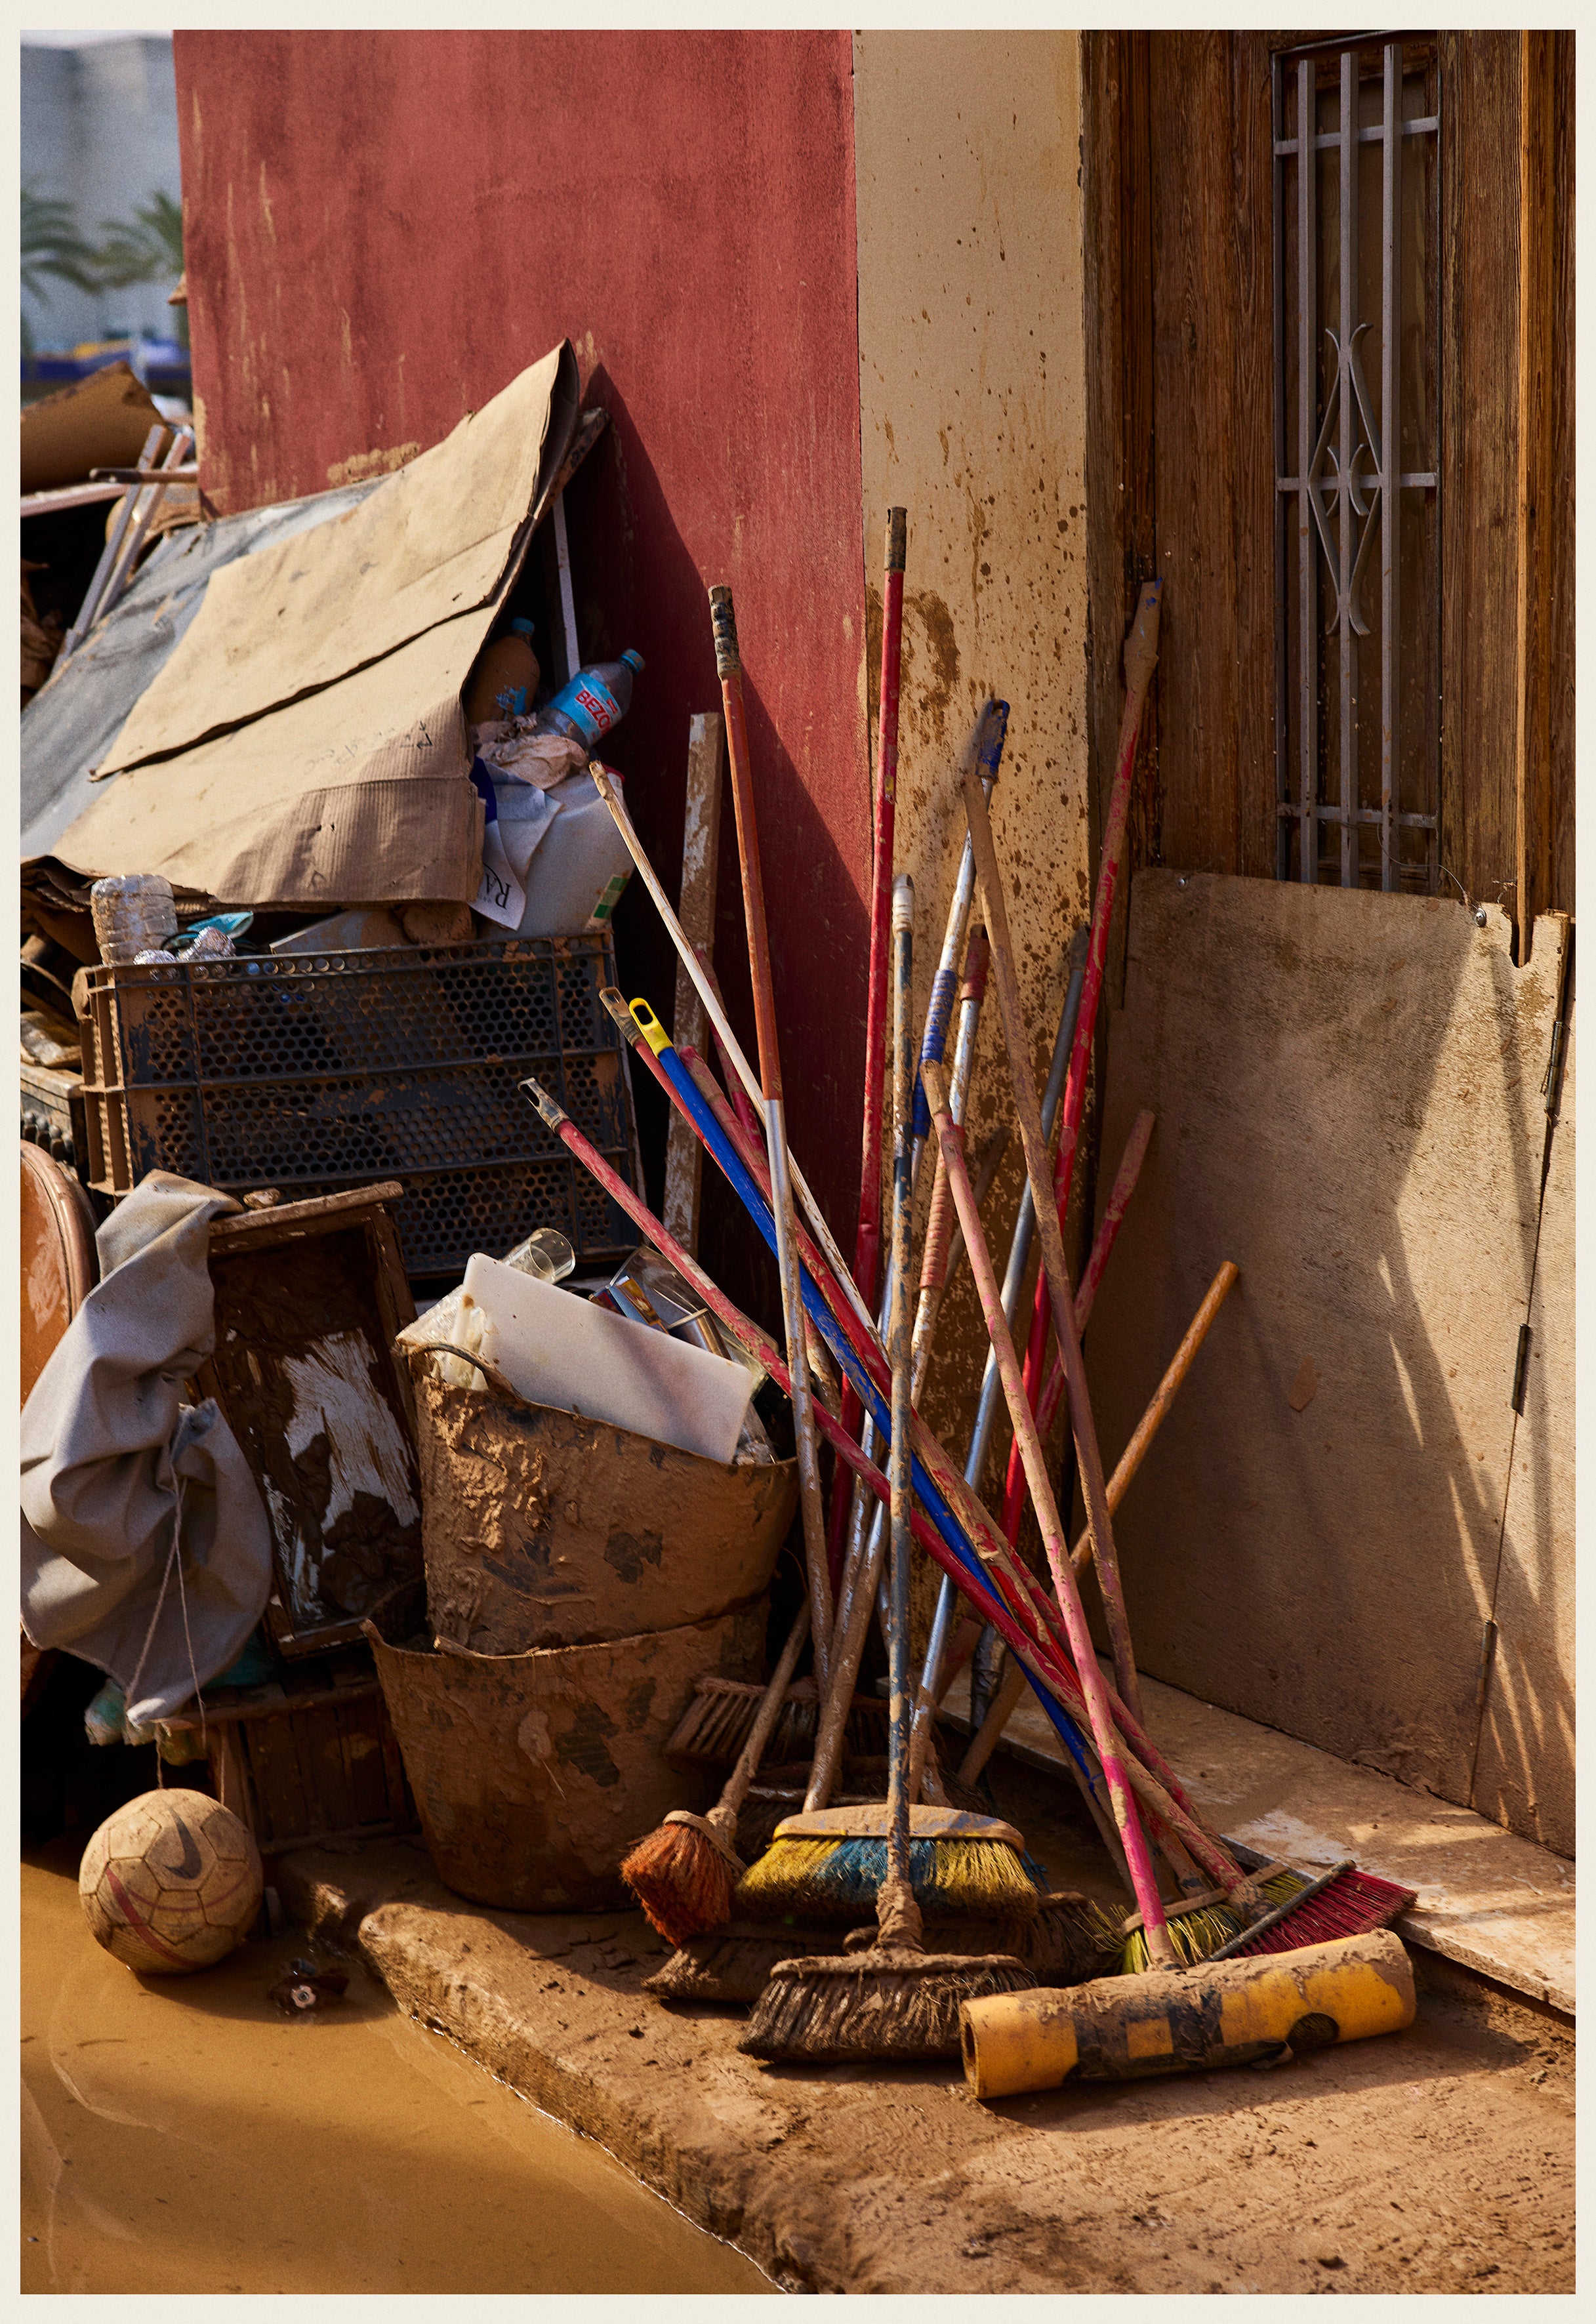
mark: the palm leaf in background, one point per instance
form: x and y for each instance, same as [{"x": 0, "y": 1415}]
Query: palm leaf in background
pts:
[
  {"x": 144, "y": 248},
  {"x": 52, "y": 249}
]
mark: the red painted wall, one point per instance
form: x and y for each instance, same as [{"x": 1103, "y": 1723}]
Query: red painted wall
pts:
[{"x": 384, "y": 228}]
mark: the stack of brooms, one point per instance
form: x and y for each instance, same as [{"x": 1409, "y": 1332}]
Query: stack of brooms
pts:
[{"x": 962, "y": 1912}]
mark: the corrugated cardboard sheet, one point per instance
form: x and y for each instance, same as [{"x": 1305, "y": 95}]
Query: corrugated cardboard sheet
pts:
[{"x": 304, "y": 742}]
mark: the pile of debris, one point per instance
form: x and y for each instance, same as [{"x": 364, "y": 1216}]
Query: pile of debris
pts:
[{"x": 504, "y": 1557}]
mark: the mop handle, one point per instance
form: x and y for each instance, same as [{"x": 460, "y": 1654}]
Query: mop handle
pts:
[
  {"x": 1103, "y": 1735},
  {"x": 1141, "y": 654},
  {"x": 900, "y": 1457},
  {"x": 1055, "y": 1266}
]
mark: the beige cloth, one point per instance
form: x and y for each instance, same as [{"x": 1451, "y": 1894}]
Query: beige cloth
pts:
[
  {"x": 111, "y": 1456},
  {"x": 304, "y": 745}
]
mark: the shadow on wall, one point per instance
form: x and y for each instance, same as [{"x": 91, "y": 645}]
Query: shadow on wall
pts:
[
  {"x": 1347, "y": 1093},
  {"x": 635, "y": 580}
]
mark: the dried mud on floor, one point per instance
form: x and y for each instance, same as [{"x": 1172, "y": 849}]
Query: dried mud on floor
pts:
[{"x": 1437, "y": 2160}]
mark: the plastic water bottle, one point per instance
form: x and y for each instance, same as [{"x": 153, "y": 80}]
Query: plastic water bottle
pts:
[
  {"x": 505, "y": 678},
  {"x": 594, "y": 700},
  {"x": 133, "y": 913}
]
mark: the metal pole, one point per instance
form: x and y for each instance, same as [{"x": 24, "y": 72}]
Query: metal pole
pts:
[
  {"x": 1307, "y": 402},
  {"x": 1390, "y": 507},
  {"x": 1346, "y": 452}
]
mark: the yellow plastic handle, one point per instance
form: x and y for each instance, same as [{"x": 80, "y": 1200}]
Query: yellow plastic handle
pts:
[{"x": 650, "y": 1026}]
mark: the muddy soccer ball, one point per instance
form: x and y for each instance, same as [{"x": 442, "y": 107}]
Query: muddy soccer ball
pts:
[{"x": 170, "y": 1883}]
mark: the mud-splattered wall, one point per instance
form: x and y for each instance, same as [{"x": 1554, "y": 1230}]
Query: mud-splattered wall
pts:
[{"x": 966, "y": 152}]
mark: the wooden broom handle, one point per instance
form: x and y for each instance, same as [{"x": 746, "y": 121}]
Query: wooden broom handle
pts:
[
  {"x": 1089, "y": 1457},
  {"x": 724, "y": 1815}
]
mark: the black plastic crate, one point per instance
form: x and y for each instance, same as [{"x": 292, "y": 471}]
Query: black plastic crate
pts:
[{"x": 314, "y": 1072}]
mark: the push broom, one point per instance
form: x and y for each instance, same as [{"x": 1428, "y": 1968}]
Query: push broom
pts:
[
  {"x": 828, "y": 1861},
  {"x": 894, "y": 1999}
]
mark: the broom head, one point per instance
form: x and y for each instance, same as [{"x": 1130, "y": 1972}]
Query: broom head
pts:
[
  {"x": 683, "y": 1876},
  {"x": 830, "y": 1865},
  {"x": 879, "y": 2004}
]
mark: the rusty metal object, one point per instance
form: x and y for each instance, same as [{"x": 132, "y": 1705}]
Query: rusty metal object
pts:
[
  {"x": 533, "y": 1774},
  {"x": 541, "y": 1528}
]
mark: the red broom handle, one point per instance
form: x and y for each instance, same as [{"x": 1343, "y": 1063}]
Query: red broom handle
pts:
[
  {"x": 1141, "y": 652},
  {"x": 868, "y": 1249},
  {"x": 867, "y": 1246},
  {"x": 1104, "y": 1734}
]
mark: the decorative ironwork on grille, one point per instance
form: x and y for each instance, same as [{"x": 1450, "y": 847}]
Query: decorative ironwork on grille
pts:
[{"x": 1356, "y": 131}]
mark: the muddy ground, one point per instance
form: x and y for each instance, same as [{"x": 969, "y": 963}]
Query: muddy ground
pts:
[{"x": 1436, "y": 2160}]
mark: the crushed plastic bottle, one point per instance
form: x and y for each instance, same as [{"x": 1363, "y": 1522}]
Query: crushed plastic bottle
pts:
[{"x": 597, "y": 698}]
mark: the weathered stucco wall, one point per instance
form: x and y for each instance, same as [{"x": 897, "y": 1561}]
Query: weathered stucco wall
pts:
[{"x": 973, "y": 416}]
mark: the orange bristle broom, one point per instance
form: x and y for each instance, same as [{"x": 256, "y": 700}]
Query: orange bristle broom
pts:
[{"x": 683, "y": 1872}]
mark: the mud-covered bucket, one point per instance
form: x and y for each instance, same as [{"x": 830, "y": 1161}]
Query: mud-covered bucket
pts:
[
  {"x": 533, "y": 1774},
  {"x": 541, "y": 1528}
]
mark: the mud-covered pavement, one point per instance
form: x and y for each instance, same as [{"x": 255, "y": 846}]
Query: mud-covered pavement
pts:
[{"x": 1437, "y": 2160}]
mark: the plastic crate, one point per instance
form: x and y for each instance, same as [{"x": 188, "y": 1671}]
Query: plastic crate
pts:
[{"x": 316, "y": 1072}]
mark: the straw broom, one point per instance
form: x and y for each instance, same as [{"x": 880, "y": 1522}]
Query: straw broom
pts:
[{"x": 893, "y": 2000}]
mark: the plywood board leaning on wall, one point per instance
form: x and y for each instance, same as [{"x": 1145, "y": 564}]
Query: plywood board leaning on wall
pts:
[{"x": 1347, "y": 1087}]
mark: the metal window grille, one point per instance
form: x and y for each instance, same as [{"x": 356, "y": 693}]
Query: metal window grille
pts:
[{"x": 1356, "y": 129}]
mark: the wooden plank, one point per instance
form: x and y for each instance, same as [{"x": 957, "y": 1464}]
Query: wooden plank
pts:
[
  {"x": 684, "y": 1154},
  {"x": 1532, "y": 771},
  {"x": 1252, "y": 277},
  {"x": 1194, "y": 389},
  {"x": 1480, "y": 99},
  {"x": 1524, "y": 1771},
  {"x": 1557, "y": 542},
  {"x": 284, "y": 1220},
  {"x": 1347, "y": 1093}
]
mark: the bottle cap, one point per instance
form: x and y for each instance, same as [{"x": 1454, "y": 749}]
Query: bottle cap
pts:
[
  {"x": 523, "y": 629},
  {"x": 633, "y": 656}
]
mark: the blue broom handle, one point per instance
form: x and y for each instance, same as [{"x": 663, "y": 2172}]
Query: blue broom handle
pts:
[{"x": 753, "y": 1202}]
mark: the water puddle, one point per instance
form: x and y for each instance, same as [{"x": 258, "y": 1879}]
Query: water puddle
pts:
[{"x": 179, "y": 2135}]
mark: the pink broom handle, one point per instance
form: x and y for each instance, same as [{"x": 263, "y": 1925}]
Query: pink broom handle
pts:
[
  {"x": 728, "y": 663},
  {"x": 1055, "y": 1267},
  {"x": 1141, "y": 653},
  {"x": 1140, "y": 1864},
  {"x": 867, "y": 1249}
]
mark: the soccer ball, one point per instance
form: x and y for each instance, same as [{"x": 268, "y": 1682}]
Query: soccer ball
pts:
[{"x": 170, "y": 1883}]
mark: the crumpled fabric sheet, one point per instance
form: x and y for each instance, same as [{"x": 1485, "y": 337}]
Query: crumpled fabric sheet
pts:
[
  {"x": 516, "y": 746},
  {"x": 106, "y": 1441}
]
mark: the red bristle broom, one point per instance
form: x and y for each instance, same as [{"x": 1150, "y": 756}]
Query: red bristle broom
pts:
[{"x": 1341, "y": 1902}]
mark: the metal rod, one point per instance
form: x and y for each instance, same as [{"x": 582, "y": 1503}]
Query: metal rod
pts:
[
  {"x": 567, "y": 601},
  {"x": 150, "y": 500},
  {"x": 107, "y": 558},
  {"x": 1282, "y": 695},
  {"x": 1390, "y": 510},
  {"x": 1346, "y": 452},
  {"x": 1308, "y": 402}
]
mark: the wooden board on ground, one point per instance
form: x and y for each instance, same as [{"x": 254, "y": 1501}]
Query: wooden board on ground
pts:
[{"x": 1347, "y": 1087}]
